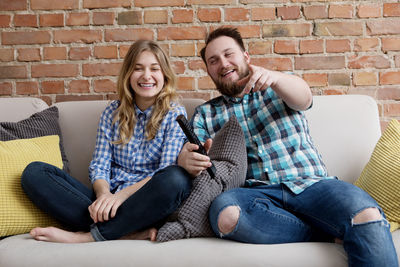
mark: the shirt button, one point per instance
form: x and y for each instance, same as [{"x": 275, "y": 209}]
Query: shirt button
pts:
[
  {"x": 266, "y": 170},
  {"x": 260, "y": 151}
]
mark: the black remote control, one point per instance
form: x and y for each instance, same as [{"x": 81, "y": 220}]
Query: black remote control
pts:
[{"x": 192, "y": 137}]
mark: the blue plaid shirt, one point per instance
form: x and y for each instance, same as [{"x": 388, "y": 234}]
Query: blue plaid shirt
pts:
[
  {"x": 125, "y": 165},
  {"x": 279, "y": 147}
]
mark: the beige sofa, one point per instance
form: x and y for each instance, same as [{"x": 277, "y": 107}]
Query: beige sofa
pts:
[{"x": 344, "y": 128}]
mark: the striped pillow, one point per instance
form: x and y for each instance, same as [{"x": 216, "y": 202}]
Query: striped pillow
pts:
[
  {"x": 381, "y": 176},
  {"x": 42, "y": 123}
]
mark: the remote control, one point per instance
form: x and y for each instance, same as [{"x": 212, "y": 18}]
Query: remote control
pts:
[{"x": 192, "y": 137}]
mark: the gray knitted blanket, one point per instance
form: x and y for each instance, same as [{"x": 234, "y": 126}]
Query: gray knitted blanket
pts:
[{"x": 228, "y": 154}]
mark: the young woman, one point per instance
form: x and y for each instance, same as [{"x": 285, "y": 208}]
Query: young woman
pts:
[{"x": 135, "y": 182}]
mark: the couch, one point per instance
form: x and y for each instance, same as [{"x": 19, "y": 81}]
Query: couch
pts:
[{"x": 344, "y": 128}]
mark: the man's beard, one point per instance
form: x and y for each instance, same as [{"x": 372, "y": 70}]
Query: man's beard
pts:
[{"x": 231, "y": 88}]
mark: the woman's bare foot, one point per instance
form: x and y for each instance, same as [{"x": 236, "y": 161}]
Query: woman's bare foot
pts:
[
  {"x": 148, "y": 234},
  {"x": 53, "y": 234}
]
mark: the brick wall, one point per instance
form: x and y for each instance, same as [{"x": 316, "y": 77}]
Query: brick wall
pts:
[{"x": 73, "y": 49}]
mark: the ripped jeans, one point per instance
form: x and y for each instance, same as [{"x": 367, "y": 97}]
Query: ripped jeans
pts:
[{"x": 272, "y": 214}]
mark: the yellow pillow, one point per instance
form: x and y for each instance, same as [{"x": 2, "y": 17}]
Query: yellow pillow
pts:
[
  {"x": 17, "y": 213},
  {"x": 381, "y": 176}
]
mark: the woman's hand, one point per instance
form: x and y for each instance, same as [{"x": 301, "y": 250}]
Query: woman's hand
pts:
[{"x": 105, "y": 206}]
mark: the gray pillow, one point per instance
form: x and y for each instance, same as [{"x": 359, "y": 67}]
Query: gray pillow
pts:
[
  {"x": 39, "y": 124},
  {"x": 228, "y": 154}
]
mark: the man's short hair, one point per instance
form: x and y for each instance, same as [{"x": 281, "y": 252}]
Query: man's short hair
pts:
[{"x": 222, "y": 31}]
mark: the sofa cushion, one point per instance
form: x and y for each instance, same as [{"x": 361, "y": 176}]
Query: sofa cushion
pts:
[
  {"x": 381, "y": 176},
  {"x": 17, "y": 213},
  {"x": 39, "y": 124}
]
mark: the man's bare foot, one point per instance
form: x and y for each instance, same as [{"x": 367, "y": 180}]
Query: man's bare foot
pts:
[
  {"x": 148, "y": 234},
  {"x": 53, "y": 234}
]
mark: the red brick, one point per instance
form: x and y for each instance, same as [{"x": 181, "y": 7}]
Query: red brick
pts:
[
  {"x": 197, "y": 65},
  {"x": 338, "y": 46},
  {"x": 315, "y": 12},
  {"x": 390, "y": 77},
  {"x": 260, "y": 47},
  {"x": 340, "y": 11},
  {"x": 27, "y": 88},
  {"x": 104, "y": 85},
  {"x": 156, "y": 16},
  {"x": 54, "y": 53},
  {"x": 178, "y": 66},
  {"x": 134, "y": 17},
  {"x": 77, "y": 36},
  {"x": 121, "y": 35},
  {"x": 183, "y": 50},
  {"x": 383, "y": 26},
  {"x": 53, "y": 87},
  {"x": 158, "y": 3},
  {"x": 369, "y": 10},
  {"x": 352, "y": 28},
  {"x": 103, "y": 18},
  {"x": 322, "y": 62},
  {"x": 101, "y": 69},
  {"x": 263, "y": 13},
  {"x": 237, "y": 14},
  {"x": 391, "y": 9},
  {"x": 79, "y": 53},
  {"x": 5, "y": 88},
  {"x": 281, "y": 64},
  {"x": 391, "y": 109},
  {"x": 51, "y": 20},
  {"x": 186, "y": 83},
  {"x": 389, "y": 93},
  {"x": 206, "y": 83},
  {"x": 13, "y": 5},
  {"x": 16, "y": 38},
  {"x": 10, "y": 72},
  {"x": 79, "y": 86},
  {"x": 379, "y": 62},
  {"x": 365, "y": 78},
  {"x": 182, "y": 16},
  {"x": 209, "y": 14},
  {"x": 287, "y": 30},
  {"x": 333, "y": 92},
  {"x": 182, "y": 33},
  {"x": 77, "y": 19},
  {"x": 339, "y": 79},
  {"x": 6, "y": 54},
  {"x": 311, "y": 46},
  {"x": 54, "y": 70},
  {"x": 288, "y": 12},
  {"x": 123, "y": 50},
  {"x": 106, "y": 52},
  {"x": 51, "y": 4},
  {"x": 209, "y": 2},
  {"x": 28, "y": 54},
  {"x": 249, "y": 31},
  {"x": 316, "y": 79},
  {"x": 25, "y": 20},
  {"x": 5, "y": 21},
  {"x": 106, "y": 3},
  {"x": 366, "y": 44},
  {"x": 286, "y": 46},
  {"x": 390, "y": 44}
]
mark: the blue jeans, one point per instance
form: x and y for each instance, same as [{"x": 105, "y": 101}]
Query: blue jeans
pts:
[
  {"x": 67, "y": 200},
  {"x": 271, "y": 214}
]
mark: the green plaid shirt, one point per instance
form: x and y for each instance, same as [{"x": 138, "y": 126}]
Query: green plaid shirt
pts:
[{"x": 279, "y": 146}]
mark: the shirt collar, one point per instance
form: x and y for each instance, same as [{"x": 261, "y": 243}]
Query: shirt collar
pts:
[
  {"x": 236, "y": 100},
  {"x": 145, "y": 113}
]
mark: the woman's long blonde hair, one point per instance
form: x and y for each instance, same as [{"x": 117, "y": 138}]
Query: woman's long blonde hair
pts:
[{"x": 125, "y": 113}]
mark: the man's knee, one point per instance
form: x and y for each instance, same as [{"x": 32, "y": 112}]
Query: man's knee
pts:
[
  {"x": 367, "y": 215},
  {"x": 228, "y": 219}
]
